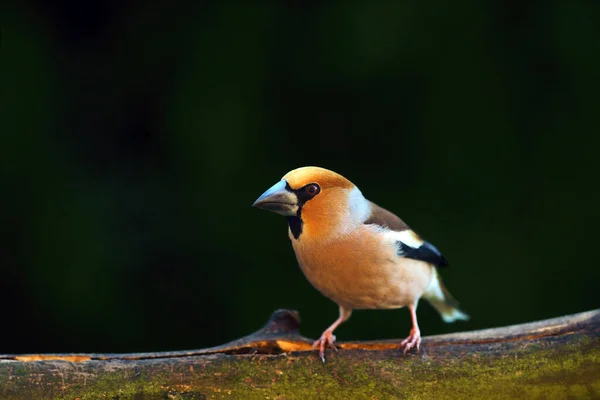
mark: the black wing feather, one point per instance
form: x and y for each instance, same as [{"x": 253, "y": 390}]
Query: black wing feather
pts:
[{"x": 426, "y": 252}]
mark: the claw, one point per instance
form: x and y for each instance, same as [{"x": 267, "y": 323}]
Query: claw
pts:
[
  {"x": 326, "y": 339},
  {"x": 413, "y": 340}
]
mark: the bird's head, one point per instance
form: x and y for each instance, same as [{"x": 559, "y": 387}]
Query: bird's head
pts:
[{"x": 318, "y": 202}]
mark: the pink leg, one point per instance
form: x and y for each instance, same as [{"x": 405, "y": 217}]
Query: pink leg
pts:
[
  {"x": 327, "y": 338},
  {"x": 414, "y": 339}
]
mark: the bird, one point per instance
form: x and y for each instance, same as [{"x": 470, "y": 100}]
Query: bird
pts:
[{"x": 356, "y": 253}]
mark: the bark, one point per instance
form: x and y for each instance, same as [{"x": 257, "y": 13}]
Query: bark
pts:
[{"x": 557, "y": 358}]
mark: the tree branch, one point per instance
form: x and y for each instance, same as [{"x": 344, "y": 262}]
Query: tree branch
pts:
[{"x": 554, "y": 358}]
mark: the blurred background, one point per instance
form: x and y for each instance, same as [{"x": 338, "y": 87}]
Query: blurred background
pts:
[{"x": 136, "y": 135}]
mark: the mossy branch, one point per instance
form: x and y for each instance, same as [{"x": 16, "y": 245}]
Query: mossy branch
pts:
[{"x": 557, "y": 358}]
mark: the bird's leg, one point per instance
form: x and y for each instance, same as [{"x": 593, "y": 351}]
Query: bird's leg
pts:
[
  {"x": 414, "y": 339},
  {"x": 327, "y": 338}
]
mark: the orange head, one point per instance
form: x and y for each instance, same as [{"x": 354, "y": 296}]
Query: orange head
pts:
[{"x": 317, "y": 202}]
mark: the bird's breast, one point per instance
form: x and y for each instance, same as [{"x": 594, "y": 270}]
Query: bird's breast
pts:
[{"x": 361, "y": 270}]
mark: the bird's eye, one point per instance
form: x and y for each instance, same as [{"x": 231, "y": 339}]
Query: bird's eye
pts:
[{"x": 313, "y": 189}]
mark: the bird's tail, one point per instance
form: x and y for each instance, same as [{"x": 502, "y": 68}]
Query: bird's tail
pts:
[{"x": 441, "y": 299}]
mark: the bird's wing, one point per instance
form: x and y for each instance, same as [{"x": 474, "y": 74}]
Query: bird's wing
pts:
[
  {"x": 382, "y": 217},
  {"x": 425, "y": 252},
  {"x": 408, "y": 243}
]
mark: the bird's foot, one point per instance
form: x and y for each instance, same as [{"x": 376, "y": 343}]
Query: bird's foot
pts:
[
  {"x": 413, "y": 340},
  {"x": 327, "y": 339}
]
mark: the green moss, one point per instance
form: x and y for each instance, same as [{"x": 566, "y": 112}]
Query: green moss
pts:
[{"x": 549, "y": 372}]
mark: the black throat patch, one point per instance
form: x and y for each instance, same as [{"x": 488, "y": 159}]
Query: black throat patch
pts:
[{"x": 295, "y": 223}]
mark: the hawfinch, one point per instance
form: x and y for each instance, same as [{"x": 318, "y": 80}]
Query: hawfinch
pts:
[{"x": 356, "y": 253}]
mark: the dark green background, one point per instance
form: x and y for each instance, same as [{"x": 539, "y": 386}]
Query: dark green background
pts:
[{"x": 136, "y": 135}]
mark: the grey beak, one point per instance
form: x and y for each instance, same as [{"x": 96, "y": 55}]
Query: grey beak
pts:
[{"x": 278, "y": 199}]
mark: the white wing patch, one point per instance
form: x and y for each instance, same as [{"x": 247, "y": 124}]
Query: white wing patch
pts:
[{"x": 407, "y": 237}]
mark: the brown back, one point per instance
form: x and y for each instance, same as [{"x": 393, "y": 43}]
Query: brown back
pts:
[{"x": 381, "y": 216}]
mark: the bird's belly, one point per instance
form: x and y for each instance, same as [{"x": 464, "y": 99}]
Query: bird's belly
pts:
[{"x": 364, "y": 277}]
